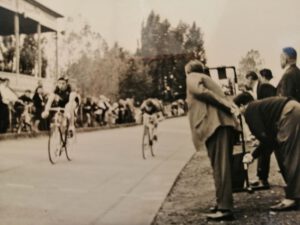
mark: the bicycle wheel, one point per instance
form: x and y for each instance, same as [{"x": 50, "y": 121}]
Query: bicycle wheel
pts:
[
  {"x": 146, "y": 143},
  {"x": 70, "y": 139},
  {"x": 54, "y": 144},
  {"x": 151, "y": 143}
]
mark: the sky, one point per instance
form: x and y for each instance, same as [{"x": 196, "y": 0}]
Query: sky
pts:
[{"x": 230, "y": 27}]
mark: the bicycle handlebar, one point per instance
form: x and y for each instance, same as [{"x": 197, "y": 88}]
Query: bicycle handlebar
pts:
[{"x": 57, "y": 109}]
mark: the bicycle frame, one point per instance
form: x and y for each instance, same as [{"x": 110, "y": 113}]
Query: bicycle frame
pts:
[{"x": 61, "y": 122}]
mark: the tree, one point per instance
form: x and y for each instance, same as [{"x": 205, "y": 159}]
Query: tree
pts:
[
  {"x": 136, "y": 82},
  {"x": 100, "y": 74},
  {"x": 166, "y": 50},
  {"x": 251, "y": 62},
  {"x": 194, "y": 44}
]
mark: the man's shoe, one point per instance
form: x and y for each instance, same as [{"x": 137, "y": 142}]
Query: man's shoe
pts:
[
  {"x": 220, "y": 215},
  {"x": 260, "y": 185},
  {"x": 155, "y": 138},
  {"x": 284, "y": 205},
  {"x": 213, "y": 209}
]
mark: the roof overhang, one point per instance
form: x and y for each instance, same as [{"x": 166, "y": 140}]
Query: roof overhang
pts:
[{"x": 30, "y": 14}]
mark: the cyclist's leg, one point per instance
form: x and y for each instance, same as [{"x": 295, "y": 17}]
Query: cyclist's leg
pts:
[
  {"x": 151, "y": 126},
  {"x": 155, "y": 125},
  {"x": 70, "y": 110},
  {"x": 147, "y": 124}
]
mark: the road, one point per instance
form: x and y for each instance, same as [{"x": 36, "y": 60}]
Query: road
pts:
[{"x": 107, "y": 183}]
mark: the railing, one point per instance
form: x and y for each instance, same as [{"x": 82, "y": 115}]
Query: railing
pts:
[{"x": 21, "y": 82}]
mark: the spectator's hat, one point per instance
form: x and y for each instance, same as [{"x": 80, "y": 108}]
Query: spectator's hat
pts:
[
  {"x": 252, "y": 75},
  {"x": 290, "y": 52},
  {"x": 266, "y": 73}
]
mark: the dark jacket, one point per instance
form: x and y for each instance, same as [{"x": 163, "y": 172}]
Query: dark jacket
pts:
[
  {"x": 289, "y": 84},
  {"x": 265, "y": 90},
  {"x": 262, "y": 117},
  {"x": 39, "y": 104}
]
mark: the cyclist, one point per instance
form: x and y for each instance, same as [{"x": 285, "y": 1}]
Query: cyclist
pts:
[
  {"x": 63, "y": 97},
  {"x": 151, "y": 110},
  {"x": 23, "y": 110}
]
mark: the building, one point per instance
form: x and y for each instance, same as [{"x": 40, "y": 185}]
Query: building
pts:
[{"x": 27, "y": 17}]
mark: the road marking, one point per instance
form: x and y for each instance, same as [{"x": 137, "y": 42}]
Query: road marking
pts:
[
  {"x": 72, "y": 190},
  {"x": 14, "y": 185}
]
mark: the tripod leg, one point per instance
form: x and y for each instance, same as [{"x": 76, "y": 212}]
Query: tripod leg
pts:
[{"x": 248, "y": 187}]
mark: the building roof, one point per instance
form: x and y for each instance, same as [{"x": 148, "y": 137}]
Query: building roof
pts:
[
  {"x": 30, "y": 12},
  {"x": 44, "y": 8}
]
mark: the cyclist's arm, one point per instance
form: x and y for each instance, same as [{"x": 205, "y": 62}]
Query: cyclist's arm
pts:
[{"x": 50, "y": 100}]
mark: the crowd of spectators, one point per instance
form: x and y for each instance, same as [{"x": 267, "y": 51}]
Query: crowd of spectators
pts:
[{"x": 23, "y": 113}]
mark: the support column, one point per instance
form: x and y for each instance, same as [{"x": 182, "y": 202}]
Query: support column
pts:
[
  {"x": 56, "y": 56},
  {"x": 39, "y": 30},
  {"x": 17, "y": 36}
]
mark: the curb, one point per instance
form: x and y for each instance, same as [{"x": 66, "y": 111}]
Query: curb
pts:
[
  {"x": 10, "y": 136},
  {"x": 153, "y": 222}
]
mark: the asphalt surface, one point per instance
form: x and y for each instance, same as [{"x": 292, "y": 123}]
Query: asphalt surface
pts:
[{"x": 106, "y": 183}]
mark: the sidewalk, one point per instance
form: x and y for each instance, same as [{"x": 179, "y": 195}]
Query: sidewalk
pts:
[{"x": 193, "y": 194}]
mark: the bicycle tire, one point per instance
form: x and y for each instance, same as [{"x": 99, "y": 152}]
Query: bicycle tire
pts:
[
  {"x": 54, "y": 144},
  {"x": 146, "y": 145},
  {"x": 68, "y": 145}
]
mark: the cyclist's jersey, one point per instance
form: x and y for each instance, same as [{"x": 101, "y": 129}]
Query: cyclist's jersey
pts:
[
  {"x": 64, "y": 96},
  {"x": 150, "y": 107}
]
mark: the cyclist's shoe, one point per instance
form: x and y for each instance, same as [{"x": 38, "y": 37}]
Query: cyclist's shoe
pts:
[
  {"x": 150, "y": 142},
  {"x": 71, "y": 131},
  {"x": 155, "y": 138},
  {"x": 71, "y": 134}
]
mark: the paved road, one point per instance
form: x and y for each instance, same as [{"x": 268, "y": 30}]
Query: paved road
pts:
[{"x": 107, "y": 183}]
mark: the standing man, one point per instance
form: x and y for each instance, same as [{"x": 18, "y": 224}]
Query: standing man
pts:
[
  {"x": 212, "y": 125},
  {"x": 289, "y": 85},
  {"x": 262, "y": 89},
  {"x": 8, "y": 97}
]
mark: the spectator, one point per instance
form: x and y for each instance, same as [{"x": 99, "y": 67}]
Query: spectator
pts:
[
  {"x": 113, "y": 114},
  {"x": 2, "y": 110},
  {"x": 275, "y": 122},
  {"x": 19, "y": 106},
  {"x": 261, "y": 88},
  {"x": 8, "y": 97},
  {"x": 212, "y": 125},
  {"x": 181, "y": 107},
  {"x": 174, "y": 108},
  {"x": 121, "y": 111},
  {"x": 39, "y": 106},
  {"x": 87, "y": 111},
  {"x": 103, "y": 105},
  {"x": 289, "y": 85}
]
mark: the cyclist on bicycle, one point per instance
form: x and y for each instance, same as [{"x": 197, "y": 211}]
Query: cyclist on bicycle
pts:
[
  {"x": 151, "y": 108},
  {"x": 63, "y": 97}
]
